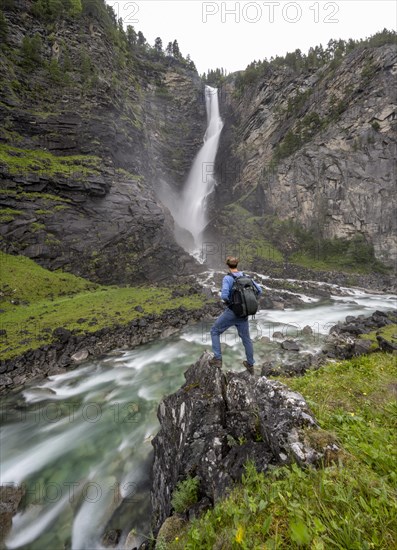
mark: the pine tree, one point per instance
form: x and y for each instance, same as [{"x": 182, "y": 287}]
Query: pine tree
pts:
[
  {"x": 141, "y": 39},
  {"x": 158, "y": 45},
  {"x": 190, "y": 63},
  {"x": 168, "y": 49},
  {"x": 175, "y": 50},
  {"x": 131, "y": 36}
]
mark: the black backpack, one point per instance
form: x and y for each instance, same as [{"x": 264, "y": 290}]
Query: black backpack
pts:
[{"x": 243, "y": 298}]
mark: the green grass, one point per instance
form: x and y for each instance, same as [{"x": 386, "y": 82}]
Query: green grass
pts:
[
  {"x": 32, "y": 195},
  {"x": 336, "y": 263},
  {"x": 19, "y": 161},
  {"x": 349, "y": 504},
  {"x": 35, "y": 301},
  {"x": 389, "y": 332}
]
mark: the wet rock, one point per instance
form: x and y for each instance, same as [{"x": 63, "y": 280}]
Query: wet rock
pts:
[
  {"x": 290, "y": 345},
  {"x": 111, "y": 538},
  {"x": 307, "y": 331},
  {"x": 80, "y": 356},
  {"x": 10, "y": 497},
  {"x": 277, "y": 335}
]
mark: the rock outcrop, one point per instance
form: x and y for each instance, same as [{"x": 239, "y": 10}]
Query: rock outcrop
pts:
[
  {"x": 216, "y": 422},
  {"x": 345, "y": 340},
  {"x": 10, "y": 498},
  {"x": 340, "y": 181}
]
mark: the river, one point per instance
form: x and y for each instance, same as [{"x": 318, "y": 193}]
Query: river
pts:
[{"x": 80, "y": 442}]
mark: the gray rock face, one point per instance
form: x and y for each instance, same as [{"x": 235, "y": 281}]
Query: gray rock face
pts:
[
  {"x": 217, "y": 421},
  {"x": 341, "y": 182},
  {"x": 140, "y": 122}
]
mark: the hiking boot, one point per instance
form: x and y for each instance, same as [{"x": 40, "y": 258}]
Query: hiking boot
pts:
[
  {"x": 215, "y": 362},
  {"x": 250, "y": 368}
]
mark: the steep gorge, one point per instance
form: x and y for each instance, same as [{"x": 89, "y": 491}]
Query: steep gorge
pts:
[
  {"x": 96, "y": 129},
  {"x": 315, "y": 147}
]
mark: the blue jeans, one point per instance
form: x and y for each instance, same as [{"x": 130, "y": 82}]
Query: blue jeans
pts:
[{"x": 226, "y": 320}]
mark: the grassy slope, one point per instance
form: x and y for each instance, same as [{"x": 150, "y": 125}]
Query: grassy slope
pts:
[
  {"x": 35, "y": 301},
  {"x": 347, "y": 505}
]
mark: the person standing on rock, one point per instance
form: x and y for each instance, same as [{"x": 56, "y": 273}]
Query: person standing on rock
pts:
[{"x": 228, "y": 319}]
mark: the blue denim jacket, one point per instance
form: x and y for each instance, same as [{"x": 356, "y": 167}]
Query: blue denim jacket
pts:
[{"x": 228, "y": 283}]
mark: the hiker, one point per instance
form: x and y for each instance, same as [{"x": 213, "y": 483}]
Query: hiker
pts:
[{"x": 229, "y": 318}]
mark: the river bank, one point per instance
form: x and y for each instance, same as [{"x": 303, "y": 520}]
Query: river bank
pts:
[
  {"x": 72, "y": 349},
  {"x": 92, "y": 425}
]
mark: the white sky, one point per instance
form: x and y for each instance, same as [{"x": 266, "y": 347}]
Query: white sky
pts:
[{"x": 232, "y": 34}]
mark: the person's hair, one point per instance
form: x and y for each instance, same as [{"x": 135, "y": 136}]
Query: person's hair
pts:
[{"x": 231, "y": 261}]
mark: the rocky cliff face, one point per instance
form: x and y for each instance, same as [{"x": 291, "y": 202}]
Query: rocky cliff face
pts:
[
  {"x": 216, "y": 422},
  {"x": 90, "y": 128},
  {"x": 317, "y": 147}
]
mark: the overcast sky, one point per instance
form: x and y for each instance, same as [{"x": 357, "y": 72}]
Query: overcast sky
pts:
[{"x": 233, "y": 34}]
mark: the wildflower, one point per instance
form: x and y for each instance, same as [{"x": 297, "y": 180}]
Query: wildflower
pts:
[{"x": 239, "y": 534}]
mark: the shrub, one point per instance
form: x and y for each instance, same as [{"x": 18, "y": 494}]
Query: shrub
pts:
[
  {"x": 185, "y": 494},
  {"x": 31, "y": 51}
]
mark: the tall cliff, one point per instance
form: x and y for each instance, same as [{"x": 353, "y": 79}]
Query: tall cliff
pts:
[
  {"x": 92, "y": 122},
  {"x": 313, "y": 147}
]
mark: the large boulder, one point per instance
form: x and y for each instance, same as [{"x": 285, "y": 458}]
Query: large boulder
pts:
[{"x": 216, "y": 422}]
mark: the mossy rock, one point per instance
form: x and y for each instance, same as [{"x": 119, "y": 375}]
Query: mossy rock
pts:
[{"x": 170, "y": 529}]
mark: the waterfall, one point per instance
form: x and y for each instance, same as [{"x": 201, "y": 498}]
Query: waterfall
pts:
[{"x": 191, "y": 211}]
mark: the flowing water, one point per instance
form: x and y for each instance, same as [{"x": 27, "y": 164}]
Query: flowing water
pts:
[
  {"x": 80, "y": 442},
  {"x": 189, "y": 210}
]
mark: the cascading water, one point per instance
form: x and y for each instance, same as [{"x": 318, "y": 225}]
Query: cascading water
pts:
[{"x": 190, "y": 212}]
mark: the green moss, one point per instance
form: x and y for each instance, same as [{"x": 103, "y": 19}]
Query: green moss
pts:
[
  {"x": 36, "y": 226},
  {"x": 9, "y": 214},
  {"x": 41, "y": 212},
  {"x": 19, "y": 161},
  {"x": 350, "y": 503},
  {"x": 35, "y": 301}
]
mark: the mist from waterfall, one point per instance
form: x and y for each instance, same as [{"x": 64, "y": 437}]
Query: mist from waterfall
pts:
[{"x": 189, "y": 209}]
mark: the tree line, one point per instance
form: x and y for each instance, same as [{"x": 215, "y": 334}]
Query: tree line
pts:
[
  {"x": 316, "y": 57},
  {"x": 51, "y": 11}
]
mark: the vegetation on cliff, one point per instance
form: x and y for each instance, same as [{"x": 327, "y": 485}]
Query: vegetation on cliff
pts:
[
  {"x": 94, "y": 115},
  {"x": 264, "y": 237},
  {"x": 347, "y": 504},
  {"x": 316, "y": 57}
]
